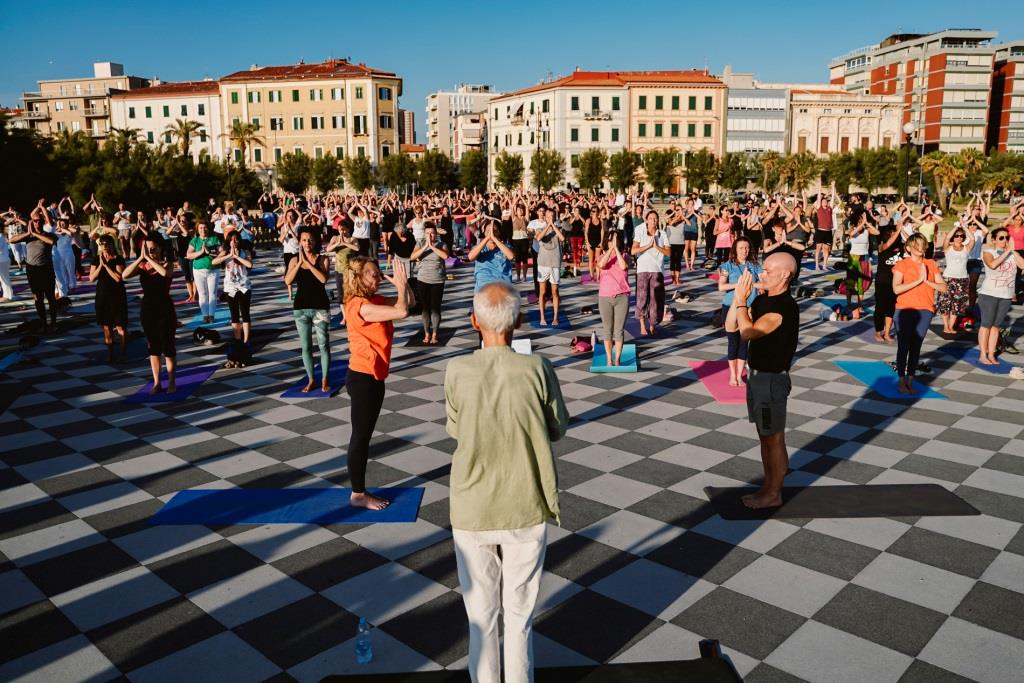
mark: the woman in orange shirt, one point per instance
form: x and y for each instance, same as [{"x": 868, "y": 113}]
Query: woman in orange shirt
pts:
[
  {"x": 915, "y": 280},
  {"x": 371, "y": 334}
]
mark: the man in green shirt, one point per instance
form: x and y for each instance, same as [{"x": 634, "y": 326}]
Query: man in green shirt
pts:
[{"x": 504, "y": 409}]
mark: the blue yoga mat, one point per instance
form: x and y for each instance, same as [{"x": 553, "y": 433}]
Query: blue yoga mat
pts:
[
  {"x": 285, "y": 506},
  {"x": 9, "y": 360},
  {"x": 336, "y": 376},
  {"x": 882, "y": 379},
  {"x": 533, "y": 317},
  {"x": 186, "y": 381},
  {"x": 628, "y": 360},
  {"x": 972, "y": 356},
  {"x": 220, "y": 318}
]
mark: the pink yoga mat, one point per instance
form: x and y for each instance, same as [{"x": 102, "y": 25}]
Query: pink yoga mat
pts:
[
  {"x": 714, "y": 375},
  {"x": 714, "y": 276},
  {"x": 585, "y": 278}
]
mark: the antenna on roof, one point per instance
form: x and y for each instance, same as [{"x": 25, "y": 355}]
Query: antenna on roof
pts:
[{"x": 301, "y": 60}]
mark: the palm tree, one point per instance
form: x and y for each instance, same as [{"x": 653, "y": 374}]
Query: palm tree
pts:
[
  {"x": 770, "y": 162},
  {"x": 125, "y": 135},
  {"x": 799, "y": 170},
  {"x": 183, "y": 131},
  {"x": 946, "y": 171},
  {"x": 243, "y": 135}
]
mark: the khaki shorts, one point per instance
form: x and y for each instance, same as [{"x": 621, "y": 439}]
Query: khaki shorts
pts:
[{"x": 767, "y": 395}]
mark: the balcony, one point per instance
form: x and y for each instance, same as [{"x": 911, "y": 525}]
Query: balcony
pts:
[
  {"x": 32, "y": 96},
  {"x": 597, "y": 115},
  {"x": 95, "y": 111},
  {"x": 518, "y": 120},
  {"x": 97, "y": 133},
  {"x": 36, "y": 115}
]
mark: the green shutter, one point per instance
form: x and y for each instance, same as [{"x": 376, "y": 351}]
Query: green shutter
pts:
[
  {"x": 707, "y": 130},
  {"x": 708, "y": 102},
  {"x": 295, "y": 95},
  {"x": 642, "y": 130},
  {"x": 615, "y": 134},
  {"x": 574, "y": 135},
  {"x": 615, "y": 104},
  {"x": 595, "y": 136},
  {"x": 692, "y": 103},
  {"x": 234, "y": 98},
  {"x": 643, "y": 102},
  {"x": 167, "y": 111},
  {"x": 675, "y": 101},
  {"x": 675, "y": 130},
  {"x": 575, "y": 104},
  {"x": 691, "y": 130},
  {"x": 659, "y": 102},
  {"x": 658, "y": 130}
]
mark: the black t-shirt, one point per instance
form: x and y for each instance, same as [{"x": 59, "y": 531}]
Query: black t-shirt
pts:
[
  {"x": 389, "y": 220},
  {"x": 774, "y": 352},
  {"x": 399, "y": 247},
  {"x": 266, "y": 205},
  {"x": 888, "y": 258}
]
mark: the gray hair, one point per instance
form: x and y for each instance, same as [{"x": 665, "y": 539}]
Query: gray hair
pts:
[{"x": 496, "y": 307}]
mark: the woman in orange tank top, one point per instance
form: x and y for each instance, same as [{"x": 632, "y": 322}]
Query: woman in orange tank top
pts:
[{"x": 371, "y": 333}]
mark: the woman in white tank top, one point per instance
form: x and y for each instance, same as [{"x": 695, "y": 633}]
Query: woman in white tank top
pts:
[{"x": 953, "y": 302}]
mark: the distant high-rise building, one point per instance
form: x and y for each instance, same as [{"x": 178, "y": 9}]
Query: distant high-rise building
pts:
[
  {"x": 444, "y": 105},
  {"x": 78, "y": 104},
  {"x": 1006, "y": 113},
  {"x": 406, "y": 127}
]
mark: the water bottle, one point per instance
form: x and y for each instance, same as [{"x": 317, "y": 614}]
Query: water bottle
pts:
[{"x": 364, "y": 646}]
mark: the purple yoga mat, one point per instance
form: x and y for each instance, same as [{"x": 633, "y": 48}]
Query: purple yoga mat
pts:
[
  {"x": 714, "y": 375},
  {"x": 585, "y": 278},
  {"x": 187, "y": 380}
]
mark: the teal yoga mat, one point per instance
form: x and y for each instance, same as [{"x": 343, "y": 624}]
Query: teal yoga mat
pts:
[
  {"x": 882, "y": 379},
  {"x": 628, "y": 360}
]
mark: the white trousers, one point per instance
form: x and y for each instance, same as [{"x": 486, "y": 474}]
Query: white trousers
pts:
[
  {"x": 506, "y": 582},
  {"x": 206, "y": 288}
]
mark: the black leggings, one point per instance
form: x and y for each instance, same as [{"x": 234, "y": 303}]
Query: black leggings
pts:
[
  {"x": 430, "y": 300},
  {"x": 885, "y": 303},
  {"x": 42, "y": 281},
  {"x": 911, "y": 328},
  {"x": 367, "y": 397},
  {"x": 709, "y": 240},
  {"x": 675, "y": 257},
  {"x": 239, "y": 305}
]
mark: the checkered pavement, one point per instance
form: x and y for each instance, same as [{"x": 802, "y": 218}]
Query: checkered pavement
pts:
[{"x": 640, "y": 570}]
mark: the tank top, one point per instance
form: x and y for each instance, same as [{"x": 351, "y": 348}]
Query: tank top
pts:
[
  {"x": 310, "y": 292},
  {"x": 369, "y": 343},
  {"x": 956, "y": 264}
]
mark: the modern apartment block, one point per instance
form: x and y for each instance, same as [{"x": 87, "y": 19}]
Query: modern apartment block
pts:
[
  {"x": 154, "y": 110},
  {"x": 640, "y": 111},
  {"x": 406, "y": 127},
  {"x": 944, "y": 79},
  {"x": 333, "y": 107},
  {"x": 444, "y": 106},
  {"x": 78, "y": 104},
  {"x": 1006, "y": 113},
  {"x": 756, "y": 115}
]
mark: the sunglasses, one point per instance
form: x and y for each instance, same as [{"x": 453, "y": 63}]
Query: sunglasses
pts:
[{"x": 1001, "y": 237}]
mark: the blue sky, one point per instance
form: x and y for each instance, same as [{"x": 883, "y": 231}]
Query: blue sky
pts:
[{"x": 435, "y": 45}]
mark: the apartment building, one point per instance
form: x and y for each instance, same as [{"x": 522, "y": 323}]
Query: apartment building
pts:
[
  {"x": 1006, "y": 113},
  {"x": 332, "y": 107},
  {"x": 680, "y": 109},
  {"x": 756, "y": 114},
  {"x": 584, "y": 110},
  {"x": 78, "y": 104},
  {"x": 943, "y": 78},
  {"x": 154, "y": 110},
  {"x": 406, "y": 127},
  {"x": 469, "y": 132},
  {"x": 444, "y": 106},
  {"x": 826, "y": 120}
]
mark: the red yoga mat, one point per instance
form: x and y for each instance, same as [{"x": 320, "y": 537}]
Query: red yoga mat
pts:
[{"x": 714, "y": 375}]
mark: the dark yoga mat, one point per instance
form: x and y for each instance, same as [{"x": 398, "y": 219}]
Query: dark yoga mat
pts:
[
  {"x": 710, "y": 670},
  {"x": 444, "y": 335},
  {"x": 335, "y": 378},
  {"x": 285, "y": 506},
  {"x": 187, "y": 380},
  {"x": 810, "y": 502}
]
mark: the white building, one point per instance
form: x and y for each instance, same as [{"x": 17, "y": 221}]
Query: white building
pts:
[
  {"x": 151, "y": 110},
  {"x": 469, "y": 133},
  {"x": 757, "y": 115},
  {"x": 581, "y": 111},
  {"x": 826, "y": 119},
  {"x": 445, "y": 105}
]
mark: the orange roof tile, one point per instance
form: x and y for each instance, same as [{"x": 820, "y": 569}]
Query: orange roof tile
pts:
[
  {"x": 332, "y": 68},
  {"x": 823, "y": 91},
  {"x": 597, "y": 79},
  {"x": 182, "y": 89},
  {"x": 411, "y": 148}
]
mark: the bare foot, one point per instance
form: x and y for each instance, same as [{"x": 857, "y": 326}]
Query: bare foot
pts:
[
  {"x": 433, "y": 340},
  {"x": 368, "y": 501},
  {"x": 762, "y": 499},
  {"x": 156, "y": 389},
  {"x": 888, "y": 339},
  {"x": 325, "y": 387},
  {"x": 543, "y": 322},
  {"x": 426, "y": 339},
  {"x": 309, "y": 387},
  {"x": 879, "y": 337},
  {"x": 733, "y": 382}
]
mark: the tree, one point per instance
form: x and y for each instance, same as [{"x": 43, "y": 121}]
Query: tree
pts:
[
  {"x": 622, "y": 169},
  {"x": 396, "y": 171},
  {"x": 325, "y": 173},
  {"x": 592, "y": 166},
  {"x": 1005, "y": 179},
  {"x": 734, "y": 171},
  {"x": 972, "y": 161},
  {"x": 243, "y": 136},
  {"x": 183, "y": 131},
  {"x": 508, "y": 170},
  {"x": 547, "y": 168},
  {"x": 700, "y": 171},
  {"x": 841, "y": 168},
  {"x": 771, "y": 170},
  {"x": 358, "y": 172},
  {"x": 946, "y": 172},
  {"x": 661, "y": 168},
  {"x": 294, "y": 172},
  {"x": 473, "y": 170},
  {"x": 799, "y": 170},
  {"x": 436, "y": 171},
  {"x": 877, "y": 168}
]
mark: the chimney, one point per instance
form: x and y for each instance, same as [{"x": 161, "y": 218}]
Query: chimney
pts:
[{"x": 253, "y": 67}]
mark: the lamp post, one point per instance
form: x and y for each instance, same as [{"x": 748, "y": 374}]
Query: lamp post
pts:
[
  {"x": 908, "y": 132},
  {"x": 270, "y": 175}
]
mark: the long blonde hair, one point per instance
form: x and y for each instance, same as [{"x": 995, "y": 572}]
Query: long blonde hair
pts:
[{"x": 354, "y": 286}]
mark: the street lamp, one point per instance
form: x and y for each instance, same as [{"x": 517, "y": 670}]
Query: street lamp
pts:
[
  {"x": 908, "y": 132},
  {"x": 270, "y": 176}
]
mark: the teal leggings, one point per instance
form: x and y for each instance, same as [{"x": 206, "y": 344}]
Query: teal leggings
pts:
[{"x": 307, "y": 320}]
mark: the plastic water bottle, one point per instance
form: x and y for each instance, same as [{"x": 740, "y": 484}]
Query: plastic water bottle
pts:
[{"x": 364, "y": 646}]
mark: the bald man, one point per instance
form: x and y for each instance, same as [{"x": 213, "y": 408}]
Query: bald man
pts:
[{"x": 770, "y": 325}]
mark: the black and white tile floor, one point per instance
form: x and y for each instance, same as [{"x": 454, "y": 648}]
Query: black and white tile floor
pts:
[{"x": 640, "y": 569}]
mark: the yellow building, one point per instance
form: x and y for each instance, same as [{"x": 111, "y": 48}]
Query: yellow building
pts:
[
  {"x": 680, "y": 109},
  {"x": 78, "y": 104},
  {"x": 334, "y": 107}
]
